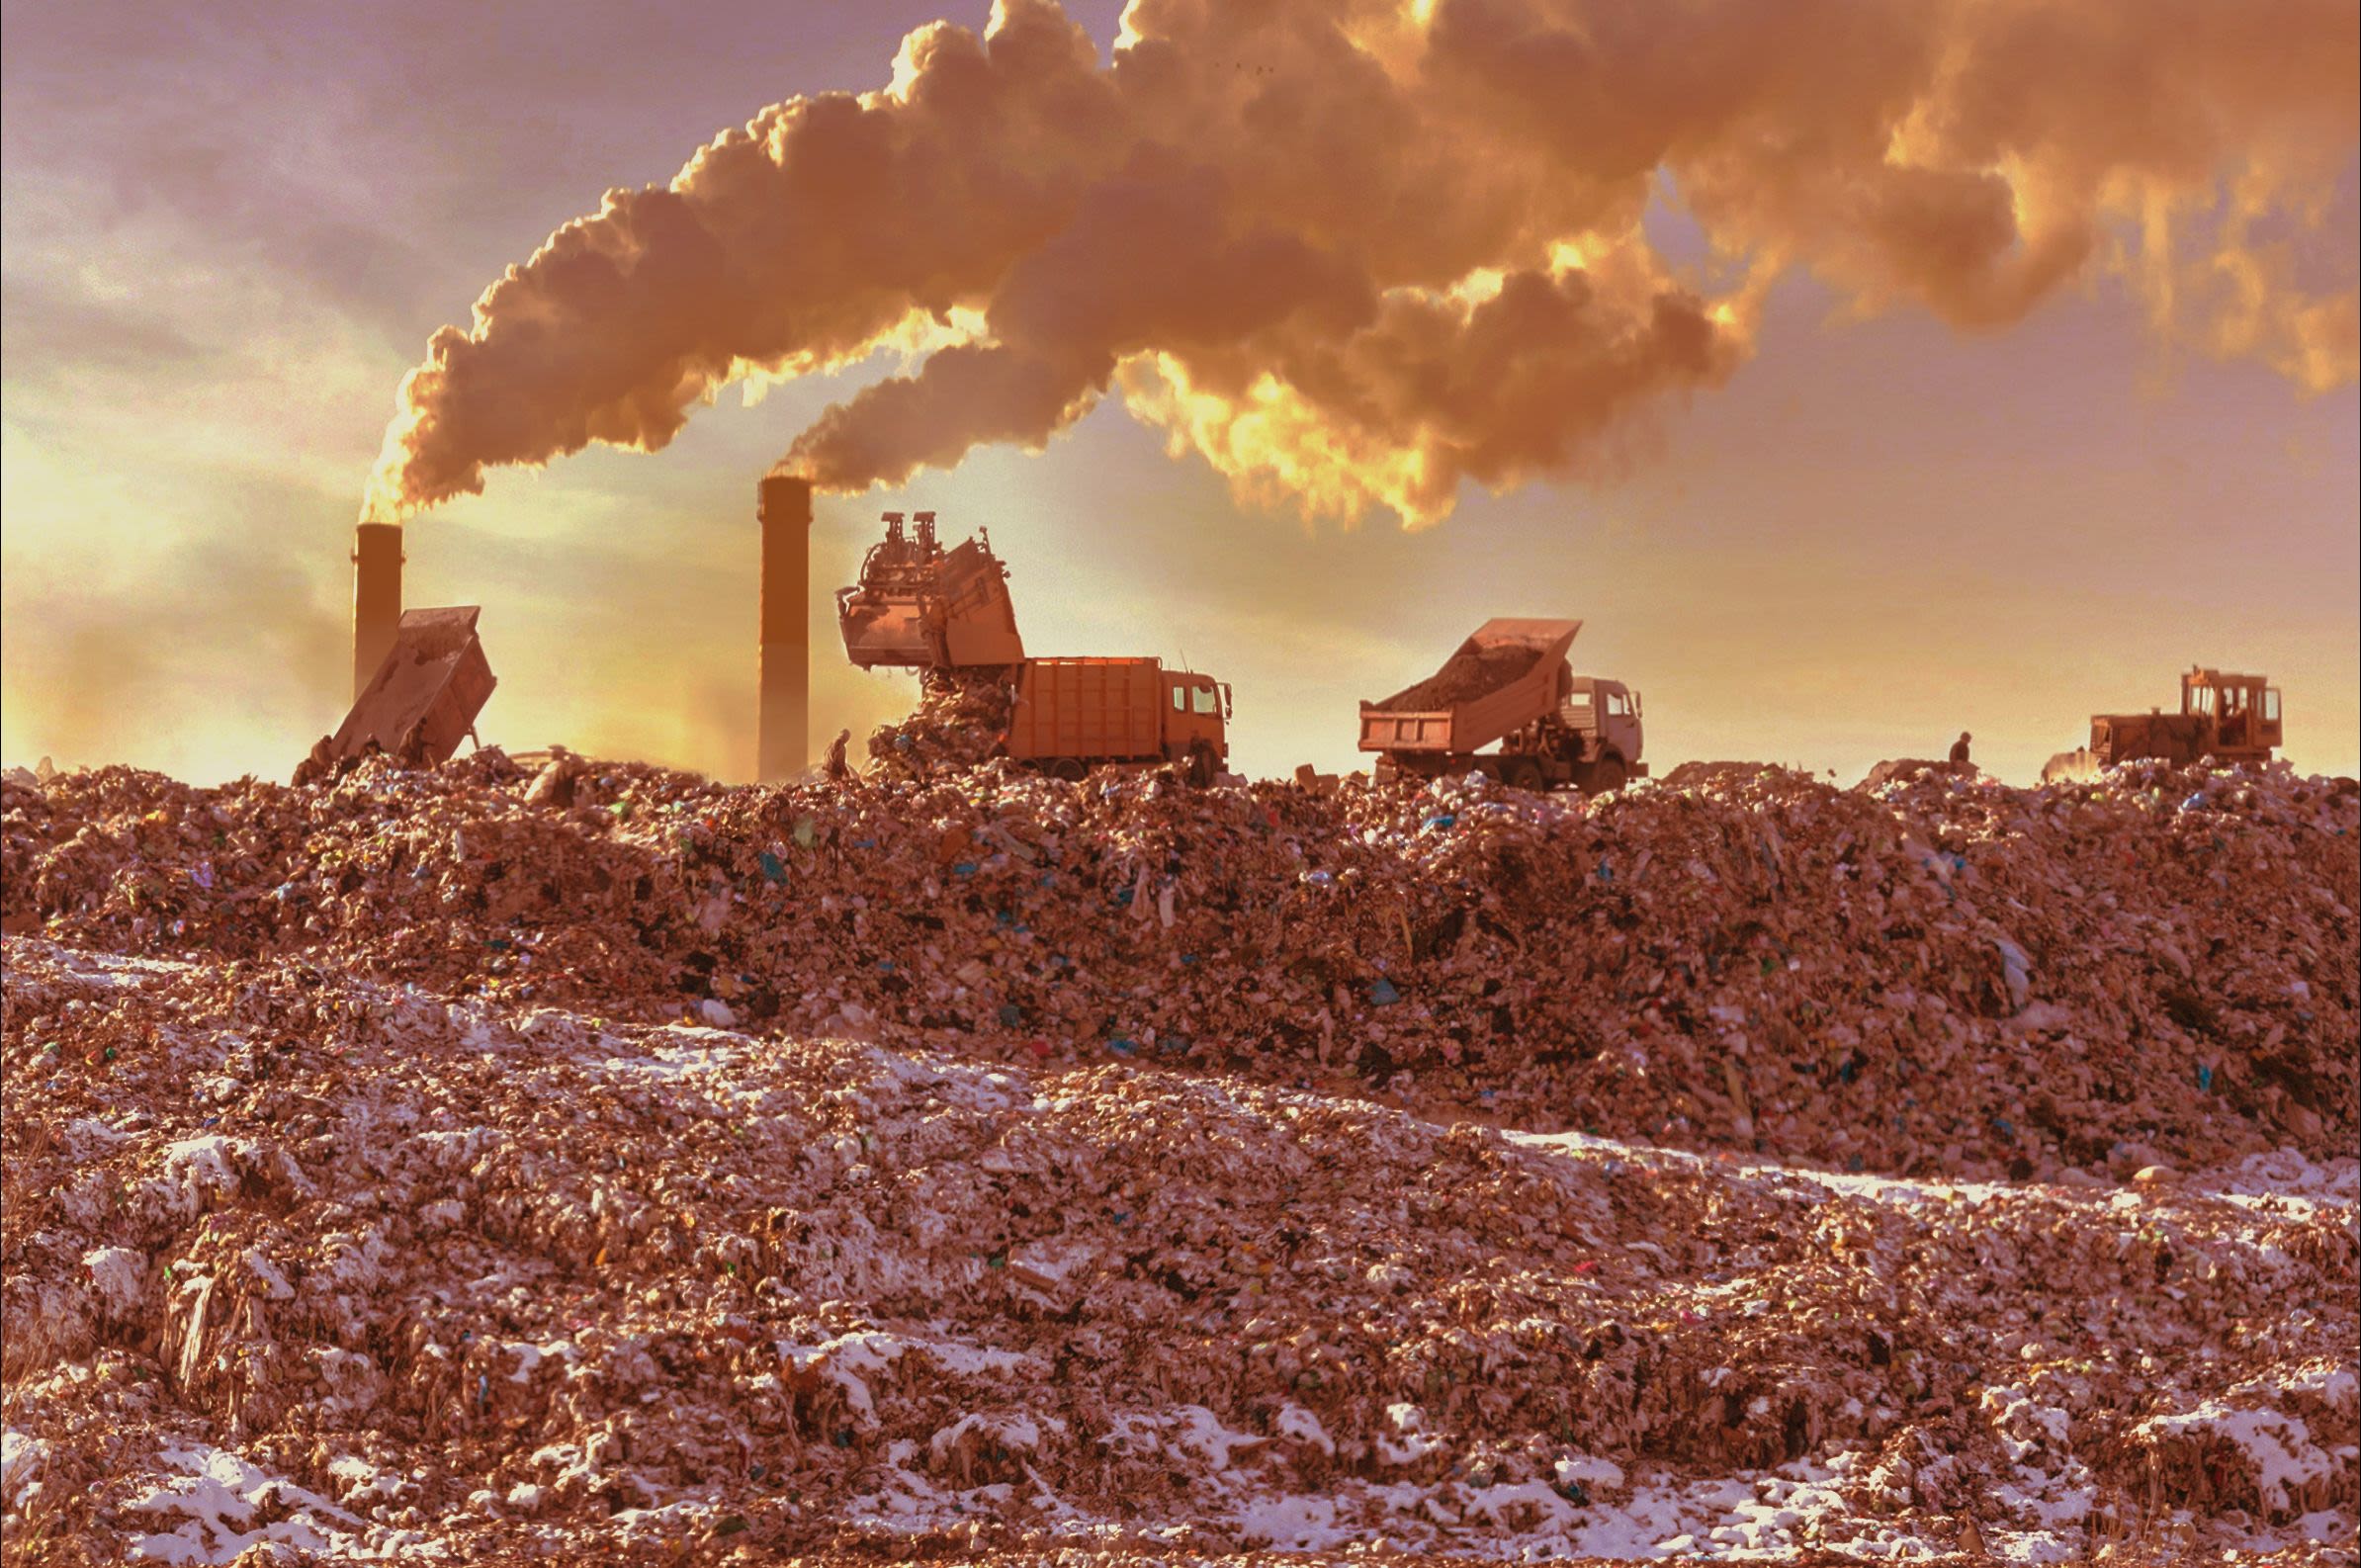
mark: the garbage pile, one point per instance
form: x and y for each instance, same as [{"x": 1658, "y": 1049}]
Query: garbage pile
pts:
[
  {"x": 1936, "y": 976},
  {"x": 961, "y": 720},
  {"x": 324, "y": 1267}
]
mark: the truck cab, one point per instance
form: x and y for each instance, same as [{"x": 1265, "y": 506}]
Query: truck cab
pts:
[
  {"x": 1605, "y": 714},
  {"x": 1195, "y": 709}
]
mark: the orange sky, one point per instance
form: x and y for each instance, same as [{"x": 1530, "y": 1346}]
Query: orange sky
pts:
[{"x": 224, "y": 251}]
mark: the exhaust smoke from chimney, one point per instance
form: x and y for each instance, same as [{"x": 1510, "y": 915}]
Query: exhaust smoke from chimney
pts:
[
  {"x": 782, "y": 735},
  {"x": 1361, "y": 253},
  {"x": 377, "y": 598}
]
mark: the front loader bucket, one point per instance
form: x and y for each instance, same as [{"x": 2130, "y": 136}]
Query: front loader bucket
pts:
[
  {"x": 926, "y": 608},
  {"x": 880, "y": 631}
]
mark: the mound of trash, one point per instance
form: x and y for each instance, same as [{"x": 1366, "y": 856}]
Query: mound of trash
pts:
[
  {"x": 1939, "y": 976},
  {"x": 960, "y": 721},
  {"x": 319, "y": 1265}
]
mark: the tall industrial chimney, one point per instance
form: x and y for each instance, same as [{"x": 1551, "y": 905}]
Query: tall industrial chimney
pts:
[
  {"x": 377, "y": 597},
  {"x": 782, "y": 742}
]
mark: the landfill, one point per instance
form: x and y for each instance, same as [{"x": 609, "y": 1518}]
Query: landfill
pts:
[{"x": 587, "y": 1161}]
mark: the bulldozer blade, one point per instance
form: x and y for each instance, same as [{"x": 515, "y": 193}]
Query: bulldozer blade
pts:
[{"x": 2072, "y": 767}]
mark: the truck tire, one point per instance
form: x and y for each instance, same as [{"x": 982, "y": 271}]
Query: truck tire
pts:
[
  {"x": 1070, "y": 768},
  {"x": 1604, "y": 777},
  {"x": 1523, "y": 773}
]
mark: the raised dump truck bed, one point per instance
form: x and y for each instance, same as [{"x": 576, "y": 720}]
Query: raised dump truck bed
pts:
[
  {"x": 427, "y": 691},
  {"x": 1511, "y": 683},
  {"x": 1501, "y": 679}
]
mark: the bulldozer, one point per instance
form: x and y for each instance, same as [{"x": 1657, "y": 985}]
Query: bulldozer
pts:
[{"x": 2227, "y": 717}]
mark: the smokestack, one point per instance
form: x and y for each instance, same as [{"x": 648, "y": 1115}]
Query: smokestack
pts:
[
  {"x": 377, "y": 597},
  {"x": 782, "y": 740}
]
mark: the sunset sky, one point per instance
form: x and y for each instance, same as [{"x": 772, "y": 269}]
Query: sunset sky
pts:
[{"x": 232, "y": 229}]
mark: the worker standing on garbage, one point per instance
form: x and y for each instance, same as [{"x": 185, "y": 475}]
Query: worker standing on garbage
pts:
[
  {"x": 837, "y": 766},
  {"x": 1959, "y": 750}
]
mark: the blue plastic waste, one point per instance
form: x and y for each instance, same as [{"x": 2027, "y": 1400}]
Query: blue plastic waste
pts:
[{"x": 1383, "y": 993}]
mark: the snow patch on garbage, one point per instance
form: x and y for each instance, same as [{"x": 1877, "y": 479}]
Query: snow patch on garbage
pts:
[{"x": 222, "y": 1497}]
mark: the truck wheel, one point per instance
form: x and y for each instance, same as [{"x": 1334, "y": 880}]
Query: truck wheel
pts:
[
  {"x": 1605, "y": 777},
  {"x": 1521, "y": 774},
  {"x": 1068, "y": 769}
]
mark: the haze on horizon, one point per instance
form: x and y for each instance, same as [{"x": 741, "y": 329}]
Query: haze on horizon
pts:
[{"x": 1849, "y": 530}]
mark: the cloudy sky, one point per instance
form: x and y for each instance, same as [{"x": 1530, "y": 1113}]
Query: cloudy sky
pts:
[{"x": 1878, "y": 494}]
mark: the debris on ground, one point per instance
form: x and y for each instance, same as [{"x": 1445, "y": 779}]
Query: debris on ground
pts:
[{"x": 975, "y": 1163}]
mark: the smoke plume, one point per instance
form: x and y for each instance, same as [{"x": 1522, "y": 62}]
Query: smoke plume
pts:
[{"x": 1353, "y": 253}]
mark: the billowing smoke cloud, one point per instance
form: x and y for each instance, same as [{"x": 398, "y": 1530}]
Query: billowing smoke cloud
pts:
[{"x": 1355, "y": 253}]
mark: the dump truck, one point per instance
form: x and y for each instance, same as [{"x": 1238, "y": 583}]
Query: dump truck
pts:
[
  {"x": 2229, "y": 718},
  {"x": 919, "y": 606},
  {"x": 421, "y": 702},
  {"x": 947, "y": 614},
  {"x": 1511, "y": 683}
]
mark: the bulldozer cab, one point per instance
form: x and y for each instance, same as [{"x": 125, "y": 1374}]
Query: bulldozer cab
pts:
[{"x": 2242, "y": 710}]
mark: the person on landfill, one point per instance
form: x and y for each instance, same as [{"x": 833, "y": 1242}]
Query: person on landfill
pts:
[
  {"x": 314, "y": 768},
  {"x": 1959, "y": 750},
  {"x": 838, "y": 768}
]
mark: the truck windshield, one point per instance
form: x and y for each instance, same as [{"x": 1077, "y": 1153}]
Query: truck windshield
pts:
[{"x": 1204, "y": 700}]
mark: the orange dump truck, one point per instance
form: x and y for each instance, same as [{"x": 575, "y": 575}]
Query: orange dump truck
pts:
[
  {"x": 1511, "y": 683},
  {"x": 1075, "y": 714}
]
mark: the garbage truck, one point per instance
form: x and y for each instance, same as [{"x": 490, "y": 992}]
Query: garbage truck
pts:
[
  {"x": 947, "y": 614},
  {"x": 1511, "y": 685},
  {"x": 1075, "y": 714},
  {"x": 2227, "y": 717}
]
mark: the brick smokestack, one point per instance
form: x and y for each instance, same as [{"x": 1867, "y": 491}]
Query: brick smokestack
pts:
[
  {"x": 782, "y": 735},
  {"x": 377, "y": 597}
]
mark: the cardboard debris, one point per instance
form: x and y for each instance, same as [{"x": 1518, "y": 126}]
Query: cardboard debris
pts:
[{"x": 975, "y": 1163}]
